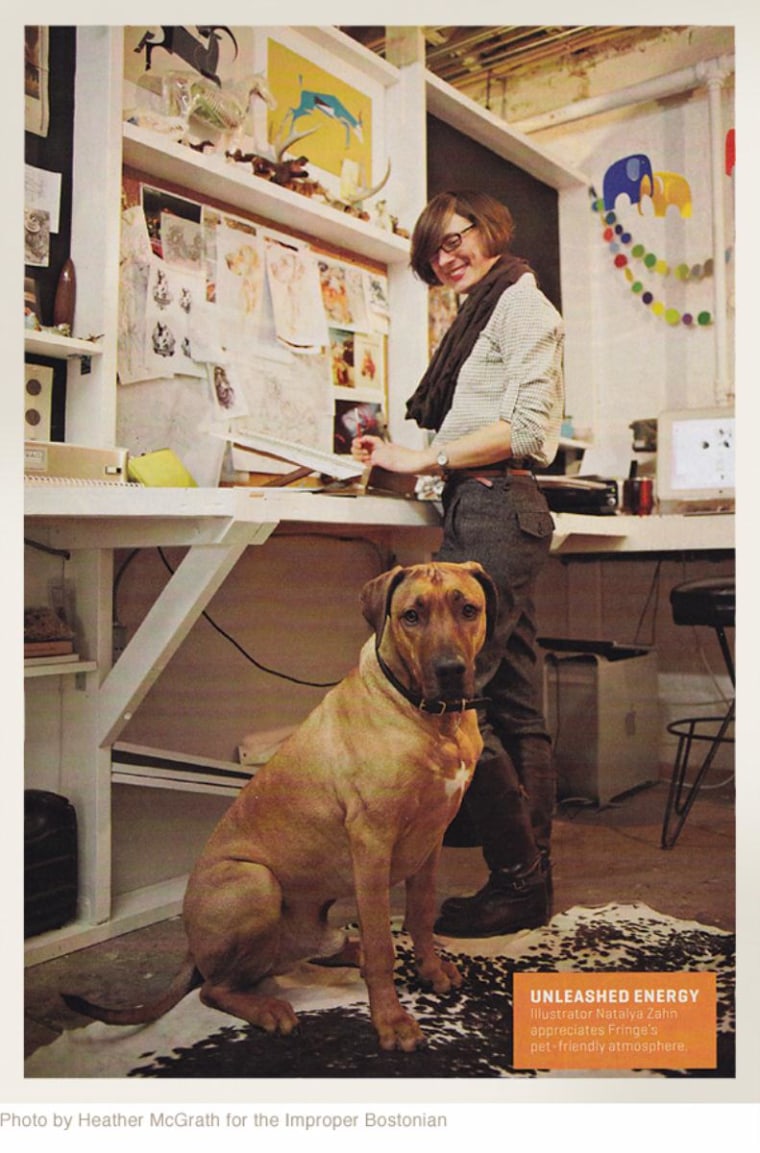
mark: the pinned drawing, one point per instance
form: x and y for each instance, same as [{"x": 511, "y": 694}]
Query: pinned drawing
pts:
[
  {"x": 342, "y": 358},
  {"x": 293, "y": 280},
  {"x": 288, "y": 399},
  {"x": 352, "y": 420},
  {"x": 343, "y": 294},
  {"x": 157, "y": 306},
  {"x": 240, "y": 282},
  {"x": 227, "y": 393},
  {"x": 369, "y": 360}
]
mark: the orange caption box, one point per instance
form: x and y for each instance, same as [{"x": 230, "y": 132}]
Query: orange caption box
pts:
[{"x": 615, "y": 1021}]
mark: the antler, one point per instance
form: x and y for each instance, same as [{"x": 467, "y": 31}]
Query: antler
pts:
[
  {"x": 281, "y": 149},
  {"x": 365, "y": 193}
]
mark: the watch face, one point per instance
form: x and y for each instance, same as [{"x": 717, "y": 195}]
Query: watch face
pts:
[{"x": 442, "y": 459}]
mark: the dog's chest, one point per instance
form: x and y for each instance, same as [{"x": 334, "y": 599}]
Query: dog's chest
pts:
[{"x": 455, "y": 785}]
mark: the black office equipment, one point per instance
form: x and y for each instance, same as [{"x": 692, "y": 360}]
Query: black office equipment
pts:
[
  {"x": 582, "y": 494},
  {"x": 50, "y": 861}
]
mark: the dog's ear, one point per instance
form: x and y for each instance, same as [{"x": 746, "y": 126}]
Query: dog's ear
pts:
[
  {"x": 376, "y": 596},
  {"x": 492, "y": 594}
]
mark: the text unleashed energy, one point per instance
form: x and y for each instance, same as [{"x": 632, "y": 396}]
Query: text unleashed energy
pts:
[{"x": 614, "y": 996}]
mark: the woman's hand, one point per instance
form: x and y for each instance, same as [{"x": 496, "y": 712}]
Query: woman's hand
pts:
[{"x": 373, "y": 451}]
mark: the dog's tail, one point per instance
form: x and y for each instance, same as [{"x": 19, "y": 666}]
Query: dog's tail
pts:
[{"x": 187, "y": 978}]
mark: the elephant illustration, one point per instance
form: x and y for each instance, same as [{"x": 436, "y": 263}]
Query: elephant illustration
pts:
[
  {"x": 626, "y": 175},
  {"x": 668, "y": 188}
]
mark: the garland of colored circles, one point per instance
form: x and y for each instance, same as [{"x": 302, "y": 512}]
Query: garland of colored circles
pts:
[{"x": 614, "y": 235}]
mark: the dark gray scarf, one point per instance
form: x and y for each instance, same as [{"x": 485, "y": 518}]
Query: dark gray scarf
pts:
[{"x": 435, "y": 392}]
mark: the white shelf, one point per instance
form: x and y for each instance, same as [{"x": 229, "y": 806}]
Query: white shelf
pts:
[
  {"x": 62, "y": 669},
  {"x": 229, "y": 182},
  {"x": 148, "y": 767},
  {"x": 59, "y": 347},
  {"x": 469, "y": 118},
  {"x": 130, "y": 911}
]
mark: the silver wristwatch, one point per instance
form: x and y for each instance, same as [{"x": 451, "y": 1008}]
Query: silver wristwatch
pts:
[{"x": 442, "y": 460}]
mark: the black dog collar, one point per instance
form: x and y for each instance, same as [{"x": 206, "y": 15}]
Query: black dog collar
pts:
[{"x": 427, "y": 704}]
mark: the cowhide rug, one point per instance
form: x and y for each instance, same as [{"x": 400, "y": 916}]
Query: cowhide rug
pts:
[{"x": 469, "y": 1031}]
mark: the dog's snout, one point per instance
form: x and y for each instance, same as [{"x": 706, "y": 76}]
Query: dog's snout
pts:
[
  {"x": 451, "y": 673},
  {"x": 451, "y": 666}
]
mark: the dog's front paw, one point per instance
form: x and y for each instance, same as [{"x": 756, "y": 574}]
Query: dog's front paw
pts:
[
  {"x": 399, "y": 1031},
  {"x": 441, "y": 974},
  {"x": 271, "y": 1014}
]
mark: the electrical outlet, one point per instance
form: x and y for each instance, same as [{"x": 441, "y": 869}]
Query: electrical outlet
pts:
[{"x": 246, "y": 757}]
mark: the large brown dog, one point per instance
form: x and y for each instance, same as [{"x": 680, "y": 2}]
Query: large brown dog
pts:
[{"x": 355, "y": 801}]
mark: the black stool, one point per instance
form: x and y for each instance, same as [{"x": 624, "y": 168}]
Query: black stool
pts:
[{"x": 711, "y": 603}]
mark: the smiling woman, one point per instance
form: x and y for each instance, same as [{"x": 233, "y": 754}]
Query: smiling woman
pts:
[{"x": 493, "y": 395}]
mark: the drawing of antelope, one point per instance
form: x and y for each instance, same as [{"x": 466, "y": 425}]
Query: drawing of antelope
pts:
[{"x": 329, "y": 106}]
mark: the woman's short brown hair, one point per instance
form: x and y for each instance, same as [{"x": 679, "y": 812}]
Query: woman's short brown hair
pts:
[{"x": 494, "y": 221}]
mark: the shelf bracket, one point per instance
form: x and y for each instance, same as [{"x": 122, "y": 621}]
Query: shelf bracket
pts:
[{"x": 169, "y": 620}]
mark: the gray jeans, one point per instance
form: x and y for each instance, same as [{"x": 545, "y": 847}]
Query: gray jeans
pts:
[{"x": 506, "y": 526}]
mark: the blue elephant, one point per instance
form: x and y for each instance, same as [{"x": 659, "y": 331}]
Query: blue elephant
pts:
[{"x": 626, "y": 175}]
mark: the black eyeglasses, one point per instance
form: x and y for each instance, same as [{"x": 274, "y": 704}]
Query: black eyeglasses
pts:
[{"x": 452, "y": 242}]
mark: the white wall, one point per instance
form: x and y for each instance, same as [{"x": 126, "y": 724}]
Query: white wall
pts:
[{"x": 641, "y": 364}]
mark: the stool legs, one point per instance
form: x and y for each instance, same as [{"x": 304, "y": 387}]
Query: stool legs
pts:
[{"x": 682, "y": 796}]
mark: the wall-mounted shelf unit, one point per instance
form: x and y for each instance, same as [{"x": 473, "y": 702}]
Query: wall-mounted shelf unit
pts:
[
  {"x": 59, "y": 347},
  {"x": 228, "y": 182}
]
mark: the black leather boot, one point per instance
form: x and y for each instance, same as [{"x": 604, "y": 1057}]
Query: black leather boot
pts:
[
  {"x": 511, "y": 899},
  {"x": 515, "y": 895},
  {"x": 533, "y": 758}
]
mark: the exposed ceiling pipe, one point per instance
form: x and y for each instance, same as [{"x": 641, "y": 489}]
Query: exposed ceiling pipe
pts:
[{"x": 655, "y": 89}]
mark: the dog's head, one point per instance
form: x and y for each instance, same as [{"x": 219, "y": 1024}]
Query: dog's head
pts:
[
  {"x": 377, "y": 594},
  {"x": 431, "y": 621}
]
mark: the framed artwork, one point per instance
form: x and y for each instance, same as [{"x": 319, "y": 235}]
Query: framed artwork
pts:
[{"x": 337, "y": 116}]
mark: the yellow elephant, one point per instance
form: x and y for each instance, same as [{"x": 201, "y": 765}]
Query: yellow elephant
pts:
[{"x": 669, "y": 188}]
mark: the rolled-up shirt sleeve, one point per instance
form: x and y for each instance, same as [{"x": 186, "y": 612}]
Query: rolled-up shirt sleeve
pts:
[{"x": 514, "y": 373}]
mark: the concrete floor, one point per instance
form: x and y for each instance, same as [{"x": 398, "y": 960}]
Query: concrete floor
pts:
[{"x": 600, "y": 855}]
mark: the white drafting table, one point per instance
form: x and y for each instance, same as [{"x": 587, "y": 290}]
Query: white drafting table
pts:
[{"x": 219, "y": 524}]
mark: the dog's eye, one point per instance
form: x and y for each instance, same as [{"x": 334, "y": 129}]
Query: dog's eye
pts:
[
  {"x": 470, "y": 611},
  {"x": 410, "y": 617}
]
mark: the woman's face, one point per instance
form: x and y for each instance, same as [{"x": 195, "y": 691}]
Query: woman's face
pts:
[{"x": 463, "y": 268}]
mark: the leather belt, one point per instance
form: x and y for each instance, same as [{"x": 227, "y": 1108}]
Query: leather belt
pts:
[{"x": 487, "y": 472}]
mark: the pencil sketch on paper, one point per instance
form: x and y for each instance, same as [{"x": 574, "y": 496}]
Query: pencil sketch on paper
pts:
[
  {"x": 293, "y": 280},
  {"x": 290, "y": 400},
  {"x": 240, "y": 282}
]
